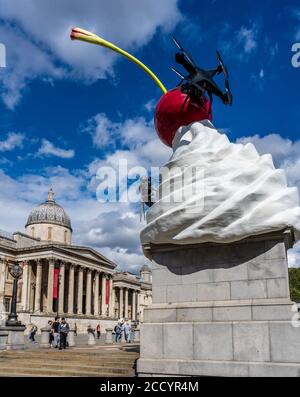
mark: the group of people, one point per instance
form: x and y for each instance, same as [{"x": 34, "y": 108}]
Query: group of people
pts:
[
  {"x": 121, "y": 328},
  {"x": 58, "y": 333},
  {"x": 59, "y": 330}
]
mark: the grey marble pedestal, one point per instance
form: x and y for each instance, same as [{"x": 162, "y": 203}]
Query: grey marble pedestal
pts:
[
  {"x": 15, "y": 337},
  {"x": 221, "y": 310}
]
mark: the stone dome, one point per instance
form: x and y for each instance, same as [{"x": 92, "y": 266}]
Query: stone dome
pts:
[
  {"x": 145, "y": 268},
  {"x": 50, "y": 213}
]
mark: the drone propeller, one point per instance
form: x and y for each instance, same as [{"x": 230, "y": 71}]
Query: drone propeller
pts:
[
  {"x": 220, "y": 60},
  {"x": 225, "y": 71},
  {"x": 190, "y": 59},
  {"x": 178, "y": 73}
]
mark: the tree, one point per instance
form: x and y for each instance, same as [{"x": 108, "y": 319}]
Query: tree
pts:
[{"x": 294, "y": 275}]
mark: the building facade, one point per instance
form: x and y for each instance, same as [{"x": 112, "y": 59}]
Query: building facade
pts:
[{"x": 62, "y": 279}]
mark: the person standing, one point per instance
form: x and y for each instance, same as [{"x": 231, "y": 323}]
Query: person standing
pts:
[
  {"x": 51, "y": 338},
  {"x": 63, "y": 335},
  {"x": 56, "y": 332},
  {"x": 98, "y": 331},
  {"x": 127, "y": 332}
]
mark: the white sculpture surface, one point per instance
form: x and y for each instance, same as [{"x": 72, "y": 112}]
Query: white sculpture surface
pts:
[{"x": 238, "y": 192}]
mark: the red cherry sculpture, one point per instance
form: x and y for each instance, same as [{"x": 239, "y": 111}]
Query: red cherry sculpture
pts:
[{"x": 170, "y": 114}]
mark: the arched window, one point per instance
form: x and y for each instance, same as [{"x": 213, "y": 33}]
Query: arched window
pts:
[
  {"x": 66, "y": 237},
  {"x": 32, "y": 232},
  {"x": 49, "y": 233}
]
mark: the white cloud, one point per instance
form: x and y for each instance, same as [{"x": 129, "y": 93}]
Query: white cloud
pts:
[
  {"x": 26, "y": 61},
  {"x": 37, "y": 37},
  {"x": 49, "y": 149},
  {"x": 150, "y": 105},
  {"x": 247, "y": 37},
  {"x": 12, "y": 141},
  {"x": 286, "y": 155},
  {"x": 105, "y": 133},
  {"x": 102, "y": 131},
  {"x": 262, "y": 73},
  {"x": 294, "y": 256},
  {"x": 239, "y": 44},
  {"x": 136, "y": 138}
]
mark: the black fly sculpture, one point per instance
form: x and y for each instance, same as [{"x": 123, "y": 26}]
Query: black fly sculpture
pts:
[{"x": 200, "y": 81}]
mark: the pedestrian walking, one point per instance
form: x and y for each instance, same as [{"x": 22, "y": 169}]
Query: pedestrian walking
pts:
[
  {"x": 118, "y": 330},
  {"x": 98, "y": 331},
  {"x": 32, "y": 332},
  {"x": 56, "y": 332},
  {"x": 63, "y": 335}
]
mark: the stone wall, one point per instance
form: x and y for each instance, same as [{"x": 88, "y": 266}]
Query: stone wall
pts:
[{"x": 222, "y": 310}]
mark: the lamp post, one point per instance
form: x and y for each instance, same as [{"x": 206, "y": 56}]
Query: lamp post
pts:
[{"x": 16, "y": 272}]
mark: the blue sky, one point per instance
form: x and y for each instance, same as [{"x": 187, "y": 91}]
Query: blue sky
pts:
[{"x": 67, "y": 108}]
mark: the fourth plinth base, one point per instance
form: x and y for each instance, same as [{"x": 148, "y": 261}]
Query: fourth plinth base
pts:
[{"x": 221, "y": 310}]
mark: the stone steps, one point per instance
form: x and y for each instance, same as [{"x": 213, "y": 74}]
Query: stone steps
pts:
[
  {"x": 71, "y": 358},
  {"x": 23, "y": 372},
  {"x": 67, "y": 363}
]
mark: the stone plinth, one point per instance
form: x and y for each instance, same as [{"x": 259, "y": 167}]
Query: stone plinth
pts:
[
  {"x": 3, "y": 338},
  {"x": 45, "y": 333},
  {"x": 91, "y": 336},
  {"x": 137, "y": 333},
  {"x": 15, "y": 339},
  {"x": 109, "y": 336},
  {"x": 221, "y": 310},
  {"x": 71, "y": 337}
]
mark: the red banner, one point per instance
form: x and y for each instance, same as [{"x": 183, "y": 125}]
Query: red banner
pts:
[
  {"x": 107, "y": 291},
  {"x": 55, "y": 284}
]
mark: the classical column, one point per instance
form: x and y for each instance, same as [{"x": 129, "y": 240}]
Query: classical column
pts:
[
  {"x": 50, "y": 286},
  {"x": 38, "y": 287},
  {"x": 71, "y": 290},
  {"x": 2, "y": 282},
  {"x": 30, "y": 296},
  {"x": 121, "y": 311},
  {"x": 88, "y": 306},
  {"x": 111, "y": 298},
  {"x": 24, "y": 299},
  {"x": 140, "y": 301},
  {"x": 80, "y": 290},
  {"x": 96, "y": 294},
  {"x": 133, "y": 310},
  {"x": 126, "y": 303},
  {"x": 61, "y": 294},
  {"x": 103, "y": 293}
]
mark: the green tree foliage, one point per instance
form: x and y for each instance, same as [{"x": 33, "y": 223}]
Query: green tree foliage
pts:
[{"x": 294, "y": 274}]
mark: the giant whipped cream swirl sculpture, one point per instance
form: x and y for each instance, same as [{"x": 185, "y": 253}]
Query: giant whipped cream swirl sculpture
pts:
[{"x": 238, "y": 192}]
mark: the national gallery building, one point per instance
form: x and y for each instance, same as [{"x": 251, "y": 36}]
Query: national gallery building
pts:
[{"x": 76, "y": 282}]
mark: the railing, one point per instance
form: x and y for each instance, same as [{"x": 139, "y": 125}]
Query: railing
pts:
[{"x": 5, "y": 234}]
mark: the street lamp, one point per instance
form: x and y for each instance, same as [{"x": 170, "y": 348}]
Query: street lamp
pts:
[{"x": 16, "y": 272}]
